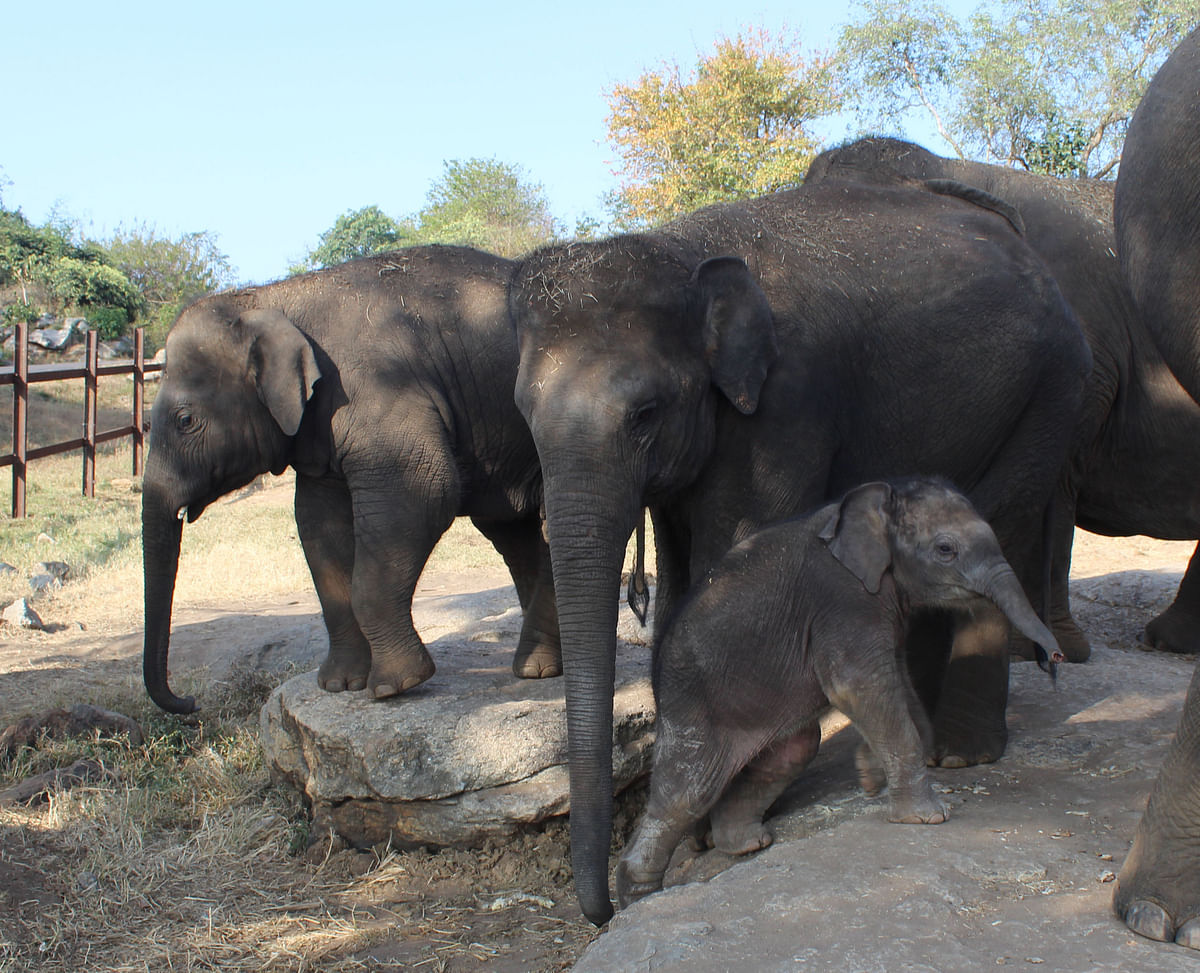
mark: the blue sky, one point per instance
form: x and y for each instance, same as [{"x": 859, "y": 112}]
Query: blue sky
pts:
[{"x": 262, "y": 123}]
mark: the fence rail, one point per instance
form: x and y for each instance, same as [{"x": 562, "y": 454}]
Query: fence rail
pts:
[{"x": 21, "y": 375}]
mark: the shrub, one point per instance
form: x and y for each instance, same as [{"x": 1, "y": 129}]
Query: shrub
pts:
[
  {"x": 21, "y": 312},
  {"x": 108, "y": 322}
]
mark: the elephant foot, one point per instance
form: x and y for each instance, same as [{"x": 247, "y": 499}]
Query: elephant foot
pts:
[
  {"x": 1175, "y": 630},
  {"x": 968, "y": 752},
  {"x": 342, "y": 672},
  {"x": 922, "y": 808},
  {"x": 1152, "y": 921},
  {"x": 537, "y": 660},
  {"x": 1157, "y": 892},
  {"x": 634, "y": 883},
  {"x": 743, "y": 838},
  {"x": 871, "y": 776},
  {"x": 387, "y": 682}
]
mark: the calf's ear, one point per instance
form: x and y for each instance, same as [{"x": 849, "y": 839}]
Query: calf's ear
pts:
[
  {"x": 283, "y": 364},
  {"x": 739, "y": 329},
  {"x": 856, "y": 533}
]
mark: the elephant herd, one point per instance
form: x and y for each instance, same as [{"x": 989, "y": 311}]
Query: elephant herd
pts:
[{"x": 1031, "y": 341}]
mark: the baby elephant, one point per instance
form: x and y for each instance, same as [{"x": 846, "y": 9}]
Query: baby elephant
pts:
[{"x": 802, "y": 614}]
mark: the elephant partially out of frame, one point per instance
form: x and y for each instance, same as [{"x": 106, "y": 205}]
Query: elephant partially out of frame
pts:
[
  {"x": 1135, "y": 461},
  {"x": 1157, "y": 217},
  {"x": 386, "y": 383},
  {"x": 755, "y": 359}
]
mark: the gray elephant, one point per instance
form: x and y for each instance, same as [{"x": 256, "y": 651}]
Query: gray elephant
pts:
[
  {"x": 1135, "y": 459},
  {"x": 739, "y": 692},
  {"x": 752, "y": 360},
  {"x": 386, "y": 383},
  {"x": 1157, "y": 217}
]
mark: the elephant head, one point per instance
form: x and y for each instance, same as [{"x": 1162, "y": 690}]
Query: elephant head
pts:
[
  {"x": 941, "y": 553},
  {"x": 627, "y": 348},
  {"x": 236, "y": 386}
]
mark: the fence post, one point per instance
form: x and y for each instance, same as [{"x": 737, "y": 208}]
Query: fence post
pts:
[
  {"x": 20, "y": 415},
  {"x": 90, "y": 387},
  {"x": 139, "y": 400}
]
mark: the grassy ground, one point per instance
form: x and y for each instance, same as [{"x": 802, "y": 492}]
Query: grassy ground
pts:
[{"x": 185, "y": 856}]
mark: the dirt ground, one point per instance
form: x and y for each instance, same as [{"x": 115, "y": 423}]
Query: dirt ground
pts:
[{"x": 508, "y": 906}]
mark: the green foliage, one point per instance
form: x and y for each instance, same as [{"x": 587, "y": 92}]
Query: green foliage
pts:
[
  {"x": 737, "y": 126},
  {"x": 356, "y": 233},
  {"x": 83, "y": 284},
  {"x": 1045, "y": 84},
  {"x": 486, "y": 204},
  {"x": 169, "y": 272},
  {"x": 478, "y": 203},
  {"x": 108, "y": 322},
  {"x": 29, "y": 313}
]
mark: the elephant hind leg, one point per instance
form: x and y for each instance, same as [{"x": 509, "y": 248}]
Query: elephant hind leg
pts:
[
  {"x": 1157, "y": 893},
  {"x": 737, "y": 818},
  {"x": 527, "y": 556},
  {"x": 1178, "y": 628}
]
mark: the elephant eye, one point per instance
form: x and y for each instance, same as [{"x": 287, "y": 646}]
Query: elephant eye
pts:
[
  {"x": 185, "y": 421},
  {"x": 641, "y": 420},
  {"x": 945, "y": 549}
]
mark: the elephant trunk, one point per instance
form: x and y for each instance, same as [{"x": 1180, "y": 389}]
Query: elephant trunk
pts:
[
  {"x": 1001, "y": 586},
  {"x": 162, "y": 533},
  {"x": 588, "y": 525}
]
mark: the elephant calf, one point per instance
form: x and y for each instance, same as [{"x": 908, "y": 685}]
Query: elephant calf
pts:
[
  {"x": 386, "y": 383},
  {"x": 800, "y": 615}
]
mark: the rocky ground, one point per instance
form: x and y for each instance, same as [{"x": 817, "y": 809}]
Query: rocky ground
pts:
[{"x": 1019, "y": 875}]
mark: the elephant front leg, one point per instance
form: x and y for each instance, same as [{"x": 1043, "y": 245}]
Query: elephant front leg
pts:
[
  {"x": 527, "y": 556},
  {"x": 325, "y": 523},
  {"x": 1158, "y": 888},
  {"x": 1178, "y": 628},
  {"x": 969, "y": 725},
  {"x": 391, "y": 546}
]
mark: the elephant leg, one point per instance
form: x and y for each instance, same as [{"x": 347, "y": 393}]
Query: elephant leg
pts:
[
  {"x": 527, "y": 555},
  {"x": 1178, "y": 628},
  {"x": 969, "y": 724},
  {"x": 879, "y": 701},
  {"x": 325, "y": 522},
  {"x": 1158, "y": 889},
  {"x": 693, "y": 764},
  {"x": 737, "y": 818},
  {"x": 1074, "y": 644},
  {"x": 394, "y": 534}
]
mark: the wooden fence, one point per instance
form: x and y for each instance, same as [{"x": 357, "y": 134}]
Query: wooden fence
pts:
[{"x": 21, "y": 375}]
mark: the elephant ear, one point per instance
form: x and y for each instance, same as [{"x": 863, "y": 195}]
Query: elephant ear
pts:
[
  {"x": 738, "y": 327},
  {"x": 857, "y": 533},
  {"x": 283, "y": 364}
]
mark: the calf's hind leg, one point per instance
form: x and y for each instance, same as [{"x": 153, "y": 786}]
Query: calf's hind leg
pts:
[{"x": 737, "y": 818}]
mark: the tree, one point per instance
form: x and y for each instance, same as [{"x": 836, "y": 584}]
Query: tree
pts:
[
  {"x": 1049, "y": 85},
  {"x": 737, "y": 126},
  {"x": 169, "y": 272},
  {"x": 477, "y": 203},
  {"x": 486, "y": 204},
  {"x": 356, "y": 233}
]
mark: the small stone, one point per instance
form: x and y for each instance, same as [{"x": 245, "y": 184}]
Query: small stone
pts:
[
  {"x": 87, "y": 882},
  {"x": 20, "y": 615},
  {"x": 44, "y": 582},
  {"x": 56, "y": 569},
  {"x": 1107, "y": 876},
  {"x": 44, "y": 538}
]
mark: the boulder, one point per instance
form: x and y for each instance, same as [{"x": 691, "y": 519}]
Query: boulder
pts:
[
  {"x": 20, "y": 615},
  {"x": 471, "y": 754}
]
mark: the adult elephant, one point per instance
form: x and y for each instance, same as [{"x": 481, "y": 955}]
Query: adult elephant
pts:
[
  {"x": 386, "y": 383},
  {"x": 1157, "y": 216},
  {"x": 751, "y": 360},
  {"x": 1135, "y": 459}
]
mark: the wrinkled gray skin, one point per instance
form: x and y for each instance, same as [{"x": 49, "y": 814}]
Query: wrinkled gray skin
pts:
[
  {"x": 753, "y": 360},
  {"x": 1135, "y": 461},
  {"x": 387, "y": 384},
  {"x": 739, "y": 692},
  {"x": 1157, "y": 216}
]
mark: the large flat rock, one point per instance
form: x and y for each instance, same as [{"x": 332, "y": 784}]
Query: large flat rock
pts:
[
  {"x": 1016, "y": 877},
  {"x": 473, "y": 753}
]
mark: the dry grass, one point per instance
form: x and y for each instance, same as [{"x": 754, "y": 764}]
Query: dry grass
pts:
[{"x": 186, "y": 856}]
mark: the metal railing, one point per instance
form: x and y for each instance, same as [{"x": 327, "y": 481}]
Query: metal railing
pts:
[{"x": 21, "y": 375}]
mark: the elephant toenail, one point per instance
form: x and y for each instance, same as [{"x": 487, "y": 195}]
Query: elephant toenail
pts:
[
  {"x": 1189, "y": 934},
  {"x": 1149, "y": 920}
]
